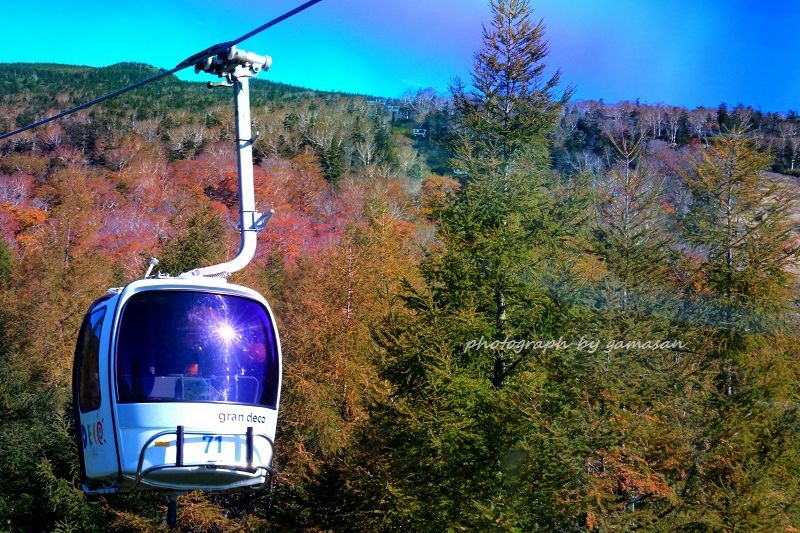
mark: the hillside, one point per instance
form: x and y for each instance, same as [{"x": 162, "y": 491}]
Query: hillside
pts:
[{"x": 39, "y": 86}]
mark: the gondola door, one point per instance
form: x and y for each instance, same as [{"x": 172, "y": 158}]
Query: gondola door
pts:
[{"x": 91, "y": 399}]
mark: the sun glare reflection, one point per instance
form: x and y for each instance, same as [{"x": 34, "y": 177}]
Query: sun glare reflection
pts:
[{"x": 227, "y": 333}]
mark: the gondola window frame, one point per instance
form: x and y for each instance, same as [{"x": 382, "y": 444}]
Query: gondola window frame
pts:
[{"x": 89, "y": 393}]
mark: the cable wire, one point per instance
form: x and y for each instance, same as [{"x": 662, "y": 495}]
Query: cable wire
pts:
[
  {"x": 91, "y": 102},
  {"x": 186, "y": 63}
]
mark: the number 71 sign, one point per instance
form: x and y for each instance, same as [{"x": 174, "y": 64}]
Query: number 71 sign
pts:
[{"x": 209, "y": 439}]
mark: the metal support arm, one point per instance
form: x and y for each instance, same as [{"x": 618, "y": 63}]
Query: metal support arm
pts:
[{"x": 238, "y": 66}]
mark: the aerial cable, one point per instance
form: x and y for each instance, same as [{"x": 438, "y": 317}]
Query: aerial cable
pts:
[
  {"x": 91, "y": 102},
  {"x": 186, "y": 63}
]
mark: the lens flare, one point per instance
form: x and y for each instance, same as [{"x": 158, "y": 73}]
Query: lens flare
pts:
[{"x": 226, "y": 333}]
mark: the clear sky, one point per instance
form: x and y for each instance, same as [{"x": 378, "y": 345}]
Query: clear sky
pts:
[{"x": 686, "y": 52}]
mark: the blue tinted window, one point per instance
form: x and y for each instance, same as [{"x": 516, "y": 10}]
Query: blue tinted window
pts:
[
  {"x": 186, "y": 346},
  {"x": 89, "y": 353}
]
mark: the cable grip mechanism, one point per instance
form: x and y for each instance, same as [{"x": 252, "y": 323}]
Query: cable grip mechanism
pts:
[{"x": 233, "y": 62}]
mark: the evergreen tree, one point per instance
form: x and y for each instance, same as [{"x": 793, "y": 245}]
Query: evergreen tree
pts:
[
  {"x": 630, "y": 236},
  {"x": 504, "y": 210},
  {"x": 6, "y": 271},
  {"x": 384, "y": 147},
  {"x": 633, "y": 396},
  {"x": 463, "y": 437},
  {"x": 333, "y": 161},
  {"x": 684, "y": 128},
  {"x": 743, "y": 473},
  {"x": 200, "y": 244},
  {"x": 724, "y": 120},
  {"x": 512, "y": 109},
  {"x": 6, "y": 264}
]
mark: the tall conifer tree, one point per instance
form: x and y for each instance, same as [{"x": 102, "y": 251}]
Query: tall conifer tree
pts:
[
  {"x": 463, "y": 436},
  {"x": 498, "y": 224},
  {"x": 743, "y": 474},
  {"x": 633, "y": 396}
]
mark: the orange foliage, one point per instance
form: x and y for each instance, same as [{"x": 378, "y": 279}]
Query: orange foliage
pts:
[
  {"x": 9, "y": 228},
  {"x": 308, "y": 162},
  {"x": 26, "y": 217},
  {"x": 287, "y": 234},
  {"x": 299, "y": 184},
  {"x": 590, "y": 268},
  {"x": 624, "y": 471},
  {"x": 26, "y": 242},
  {"x": 435, "y": 190},
  {"x": 195, "y": 174},
  {"x": 668, "y": 206},
  {"x": 591, "y": 521},
  {"x": 338, "y": 293},
  {"x": 404, "y": 228}
]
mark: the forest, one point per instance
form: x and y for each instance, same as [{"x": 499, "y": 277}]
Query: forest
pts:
[{"x": 500, "y": 308}]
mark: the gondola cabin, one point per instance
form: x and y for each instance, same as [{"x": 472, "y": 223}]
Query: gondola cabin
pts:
[
  {"x": 176, "y": 387},
  {"x": 177, "y": 380}
]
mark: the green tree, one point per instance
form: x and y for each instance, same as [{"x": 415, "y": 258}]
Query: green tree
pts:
[
  {"x": 684, "y": 128},
  {"x": 513, "y": 107},
  {"x": 333, "y": 161},
  {"x": 6, "y": 264},
  {"x": 630, "y": 237},
  {"x": 743, "y": 473},
  {"x": 634, "y": 398},
  {"x": 463, "y": 436},
  {"x": 200, "y": 244},
  {"x": 501, "y": 144},
  {"x": 40, "y": 490},
  {"x": 384, "y": 146},
  {"x": 6, "y": 273},
  {"x": 724, "y": 120}
]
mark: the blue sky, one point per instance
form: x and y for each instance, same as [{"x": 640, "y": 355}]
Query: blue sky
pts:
[{"x": 676, "y": 51}]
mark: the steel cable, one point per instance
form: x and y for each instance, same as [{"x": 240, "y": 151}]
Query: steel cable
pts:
[{"x": 186, "y": 63}]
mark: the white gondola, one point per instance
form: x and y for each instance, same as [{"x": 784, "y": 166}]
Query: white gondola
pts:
[
  {"x": 176, "y": 387},
  {"x": 176, "y": 380}
]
